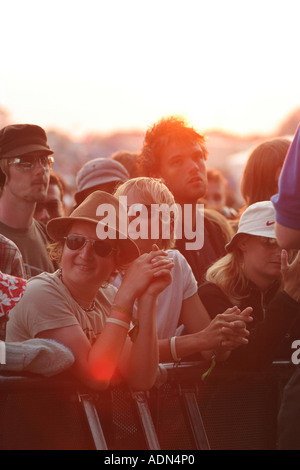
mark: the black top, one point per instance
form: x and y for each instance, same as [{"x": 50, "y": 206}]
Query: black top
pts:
[
  {"x": 275, "y": 325},
  {"x": 213, "y": 249}
]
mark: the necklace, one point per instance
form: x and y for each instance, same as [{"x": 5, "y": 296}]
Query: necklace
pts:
[{"x": 90, "y": 308}]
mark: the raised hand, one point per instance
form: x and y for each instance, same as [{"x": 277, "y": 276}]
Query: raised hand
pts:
[
  {"x": 162, "y": 276},
  {"x": 148, "y": 269}
]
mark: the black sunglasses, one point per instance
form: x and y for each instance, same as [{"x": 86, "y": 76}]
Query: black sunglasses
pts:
[{"x": 77, "y": 242}]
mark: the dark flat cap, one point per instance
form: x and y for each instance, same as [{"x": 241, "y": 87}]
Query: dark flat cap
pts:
[{"x": 19, "y": 139}]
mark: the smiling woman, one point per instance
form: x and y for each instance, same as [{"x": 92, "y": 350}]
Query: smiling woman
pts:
[{"x": 78, "y": 307}]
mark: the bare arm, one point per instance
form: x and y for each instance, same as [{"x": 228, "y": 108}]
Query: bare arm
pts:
[{"x": 96, "y": 364}]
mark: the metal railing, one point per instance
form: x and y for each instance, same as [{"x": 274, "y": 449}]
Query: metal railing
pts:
[{"x": 230, "y": 410}]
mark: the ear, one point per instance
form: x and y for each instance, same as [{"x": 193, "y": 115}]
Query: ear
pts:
[{"x": 242, "y": 244}]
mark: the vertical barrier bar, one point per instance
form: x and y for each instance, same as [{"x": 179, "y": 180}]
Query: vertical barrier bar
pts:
[
  {"x": 146, "y": 420},
  {"x": 195, "y": 419},
  {"x": 93, "y": 421}
]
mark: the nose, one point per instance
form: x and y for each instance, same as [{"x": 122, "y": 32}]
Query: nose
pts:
[
  {"x": 193, "y": 165},
  {"x": 87, "y": 251}
]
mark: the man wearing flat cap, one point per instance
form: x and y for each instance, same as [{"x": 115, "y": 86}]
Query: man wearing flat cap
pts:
[
  {"x": 102, "y": 174},
  {"x": 25, "y": 162}
]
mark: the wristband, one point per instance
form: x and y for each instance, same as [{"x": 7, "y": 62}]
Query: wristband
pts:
[
  {"x": 2, "y": 353},
  {"x": 118, "y": 322},
  {"x": 173, "y": 350},
  {"x": 209, "y": 371}
]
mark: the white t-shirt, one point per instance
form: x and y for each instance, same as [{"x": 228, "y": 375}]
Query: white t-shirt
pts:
[{"x": 169, "y": 302}]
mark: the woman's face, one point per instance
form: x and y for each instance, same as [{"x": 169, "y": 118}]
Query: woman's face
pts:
[
  {"x": 83, "y": 267},
  {"x": 262, "y": 259},
  {"x": 144, "y": 244}
]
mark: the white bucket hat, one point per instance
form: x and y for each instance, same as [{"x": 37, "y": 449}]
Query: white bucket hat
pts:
[{"x": 258, "y": 219}]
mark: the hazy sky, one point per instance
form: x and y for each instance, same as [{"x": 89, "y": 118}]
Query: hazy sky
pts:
[{"x": 122, "y": 64}]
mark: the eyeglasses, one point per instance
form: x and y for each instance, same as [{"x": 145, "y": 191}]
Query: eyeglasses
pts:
[
  {"x": 77, "y": 242},
  {"x": 28, "y": 163}
]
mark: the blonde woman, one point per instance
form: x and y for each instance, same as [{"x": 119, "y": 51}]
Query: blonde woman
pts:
[
  {"x": 179, "y": 305},
  {"x": 256, "y": 272}
]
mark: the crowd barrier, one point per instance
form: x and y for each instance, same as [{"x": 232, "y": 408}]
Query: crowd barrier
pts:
[{"x": 230, "y": 410}]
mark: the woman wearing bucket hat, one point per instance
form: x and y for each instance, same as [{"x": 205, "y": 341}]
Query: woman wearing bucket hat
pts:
[
  {"x": 257, "y": 273},
  {"x": 78, "y": 307}
]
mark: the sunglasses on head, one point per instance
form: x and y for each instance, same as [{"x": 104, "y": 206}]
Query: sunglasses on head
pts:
[{"x": 77, "y": 242}]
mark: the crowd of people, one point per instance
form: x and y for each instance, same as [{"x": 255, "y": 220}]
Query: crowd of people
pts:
[{"x": 149, "y": 265}]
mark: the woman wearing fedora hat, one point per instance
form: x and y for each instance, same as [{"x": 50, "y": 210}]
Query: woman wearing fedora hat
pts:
[
  {"x": 77, "y": 306},
  {"x": 256, "y": 272}
]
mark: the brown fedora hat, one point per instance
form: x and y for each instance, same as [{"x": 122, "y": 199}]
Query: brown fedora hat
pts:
[{"x": 95, "y": 209}]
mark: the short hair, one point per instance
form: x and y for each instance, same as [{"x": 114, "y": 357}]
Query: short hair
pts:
[
  {"x": 259, "y": 181},
  {"x": 3, "y": 171},
  {"x": 159, "y": 136},
  {"x": 153, "y": 191},
  {"x": 128, "y": 160}
]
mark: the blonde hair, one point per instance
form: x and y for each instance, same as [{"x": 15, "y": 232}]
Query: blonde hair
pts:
[
  {"x": 225, "y": 226},
  {"x": 151, "y": 191},
  {"x": 227, "y": 273},
  {"x": 55, "y": 250}
]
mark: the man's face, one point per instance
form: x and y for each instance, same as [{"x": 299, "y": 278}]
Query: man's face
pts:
[
  {"x": 30, "y": 184},
  {"x": 182, "y": 166},
  {"x": 51, "y": 207}
]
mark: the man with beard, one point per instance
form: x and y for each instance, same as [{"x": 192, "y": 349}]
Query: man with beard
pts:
[
  {"x": 25, "y": 162},
  {"x": 177, "y": 153}
]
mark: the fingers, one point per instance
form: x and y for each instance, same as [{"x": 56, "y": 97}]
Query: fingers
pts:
[
  {"x": 230, "y": 345},
  {"x": 284, "y": 260},
  {"x": 163, "y": 269},
  {"x": 233, "y": 317},
  {"x": 160, "y": 261},
  {"x": 163, "y": 273},
  {"x": 155, "y": 247},
  {"x": 238, "y": 330},
  {"x": 246, "y": 313},
  {"x": 155, "y": 254}
]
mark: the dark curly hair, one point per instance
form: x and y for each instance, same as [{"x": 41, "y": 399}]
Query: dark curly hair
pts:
[{"x": 160, "y": 135}]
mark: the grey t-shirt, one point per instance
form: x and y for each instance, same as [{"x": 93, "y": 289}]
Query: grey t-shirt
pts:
[
  {"x": 47, "y": 304},
  {"x": 32, "y": 245}
]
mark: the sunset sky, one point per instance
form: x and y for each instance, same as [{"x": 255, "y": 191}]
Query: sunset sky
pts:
[{"x": 98, "y": 66}]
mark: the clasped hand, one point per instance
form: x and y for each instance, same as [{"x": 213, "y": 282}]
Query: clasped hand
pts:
[{"x": 149, "y": 274}]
